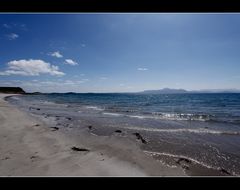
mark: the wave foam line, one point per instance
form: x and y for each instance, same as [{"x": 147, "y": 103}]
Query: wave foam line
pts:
[
  {"x": 185, "y": 130},
  {"x": 94, "y": 108},
  {"x": 181, "y": 156},
  {"x": 174, "y": 116},
  {"x": 113, "y": 114}
]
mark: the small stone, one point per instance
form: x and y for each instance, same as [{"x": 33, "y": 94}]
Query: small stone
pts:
[
  {"x": 6, "y": 158},
  {"x": 79, "y": 149},
  {"x": 183, "y": 159},
  {"x": 185, "y": 167},
  {"x": 224, "y": 171},
  {"x": 54, "y": 128},
  {"x": 139, "y": 137}
]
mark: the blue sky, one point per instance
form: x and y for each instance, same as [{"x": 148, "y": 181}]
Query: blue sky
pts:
[{"x": 119, "y": 52}]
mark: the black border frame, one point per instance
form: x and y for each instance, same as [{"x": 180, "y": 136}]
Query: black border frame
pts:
[{"x": 119, "y": 6}]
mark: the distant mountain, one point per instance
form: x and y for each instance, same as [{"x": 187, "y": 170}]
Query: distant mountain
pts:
[
  {"x": 182, "y": 91},
  {"x": 165, "y": 91},
  {"x": 70, "y": 92},
  {"x": 216, "y": 91},
  {"x": 33, "y": 93}
]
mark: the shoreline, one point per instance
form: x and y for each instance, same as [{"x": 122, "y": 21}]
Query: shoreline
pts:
[{"x": 31, "y": 148}]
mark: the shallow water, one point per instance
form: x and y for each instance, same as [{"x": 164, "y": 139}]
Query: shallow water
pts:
[{"x": 204, "y": 128}]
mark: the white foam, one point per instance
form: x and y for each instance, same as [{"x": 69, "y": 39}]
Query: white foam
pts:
[
  {"x": 15, "y": 97},
  {"x": 185, "y": 130},
  {"x": 181, "y": 116},
  {"x": 138, "y": 116},
  {"x": 113, "y": 114},
  {"x": 191, "y": 159},
  {"x": 171, "y": 116},
  {"x": 48, "y": 102},
  {"x": 94, "y": 108},
  {"x": 179, "y": 156}
]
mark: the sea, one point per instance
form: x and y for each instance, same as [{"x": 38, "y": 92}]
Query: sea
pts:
[{"x": 203, "y": 129}]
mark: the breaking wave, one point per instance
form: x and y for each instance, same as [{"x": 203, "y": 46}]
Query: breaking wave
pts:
[
  {"x": 174, "y": 116},
  {"x": 94, "y": 108},
  {"x": 199, "y": 131},
  {"x": 112, "y": 114}
]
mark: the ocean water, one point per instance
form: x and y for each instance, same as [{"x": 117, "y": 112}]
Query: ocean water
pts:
[
  {"x": 204, "y": 128},
  {"x": 202, "y": 107}
]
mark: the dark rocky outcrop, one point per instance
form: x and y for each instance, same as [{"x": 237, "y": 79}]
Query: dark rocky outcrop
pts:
[
  {"x": 36, "y": 93},
  {"x": 118, "y": 131},
  {"x": 12, "y": 90}
]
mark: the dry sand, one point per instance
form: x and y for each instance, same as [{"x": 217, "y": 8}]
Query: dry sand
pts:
[{"x": 30, "y": 150}]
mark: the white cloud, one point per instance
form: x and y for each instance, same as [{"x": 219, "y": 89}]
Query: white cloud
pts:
[
  {"x": 31, "y": 68},
  {"x": 56, "y": 54},
  {"x": 70, "y": 62},
  {"x": 142, "y": 69},
  {"x": 17, "y": 26},
  {"x": 12, "y": 36},
  {"x": 125, "y": 86},
  {"x": 48, "y": 85},
  {"x": 79, "y": 75},
  {"x": 23, "y": 25},
  {"x": 103, "y": 78},
  {"x": 6, "y": 26}
]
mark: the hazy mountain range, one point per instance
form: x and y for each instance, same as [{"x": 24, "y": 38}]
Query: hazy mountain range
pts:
[{"x": 182, "y": 91}]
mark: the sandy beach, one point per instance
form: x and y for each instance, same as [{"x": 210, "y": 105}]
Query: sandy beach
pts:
[{"x": 30, "y": 148}]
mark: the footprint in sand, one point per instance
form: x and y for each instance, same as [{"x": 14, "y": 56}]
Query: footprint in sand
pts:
[
  {"x": 33, "y": 158},
  {"x": 79, "y": 149},
  {"x": 54, "y": 128},
  {"x": 6, "y": 158}
]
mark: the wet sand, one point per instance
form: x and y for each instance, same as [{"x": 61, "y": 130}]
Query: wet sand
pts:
[{"x": 29, "y": 147}]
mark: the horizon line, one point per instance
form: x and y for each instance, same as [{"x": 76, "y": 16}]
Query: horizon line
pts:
[{"x": 187, "y": 91}]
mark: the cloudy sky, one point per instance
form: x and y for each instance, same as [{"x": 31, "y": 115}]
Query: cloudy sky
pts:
[{"x": 119, "y": 52}]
